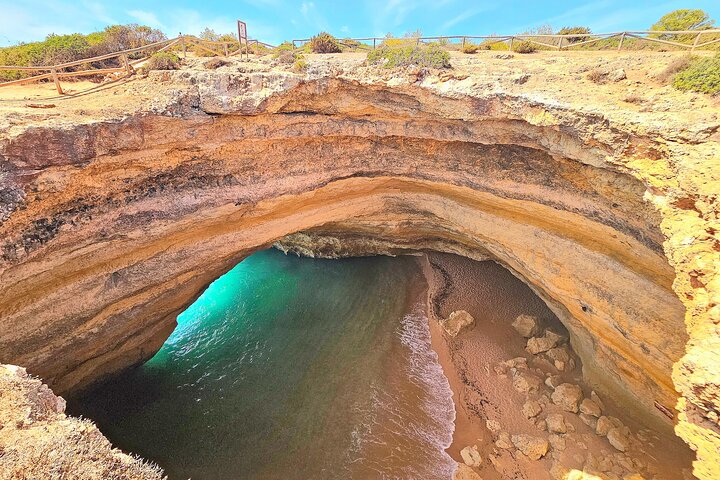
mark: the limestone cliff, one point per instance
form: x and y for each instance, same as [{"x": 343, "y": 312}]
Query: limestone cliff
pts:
[{"x": 116, "y": 214}]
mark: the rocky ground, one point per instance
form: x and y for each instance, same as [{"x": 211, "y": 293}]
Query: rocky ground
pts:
[{"x": 524, "y": 409}]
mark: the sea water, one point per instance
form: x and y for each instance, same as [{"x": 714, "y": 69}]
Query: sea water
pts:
[{"x": 290, "y": 368}]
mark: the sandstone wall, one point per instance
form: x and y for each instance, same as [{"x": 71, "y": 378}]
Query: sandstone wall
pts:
[{"x": 112, "y": 228}]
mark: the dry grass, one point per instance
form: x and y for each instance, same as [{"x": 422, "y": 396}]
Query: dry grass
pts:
[
  {"x": 677, "y": 65},
  {"x": 39, "y": 442}
]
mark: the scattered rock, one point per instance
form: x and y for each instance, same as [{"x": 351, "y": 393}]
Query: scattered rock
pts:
[
  {"x": 527, "y": 325},
  {"x": 521, "y": 79},
  {"x": 526, "y": 382},
  {"x": 517, "y": 362},
  {"x": 558, "y": 354},
  {"x": 558, "y": 471},
  {"x": 533, "y": 447},
  {"x": 557, "y": 442},
  {"x": 463, "y": 472},
  {"x": 589, "y": 407},
  {"x": 556, "y": 423},
  {"x": 504, "y": 56},
  {"x": 618, "y": 438},
  {"x": 595, "y": 398},
  {"x": 553, "y": 381},
  {"x": 457, "y": 321},
  {"x": 567, "y": 396},
  {"x": 589, "y": 420},
  {"x": 605, "y": 424},
  {"x": 503, "y": 441},
  {"x": 493, "y": 426},
  {"x": 471, "y": 456},
  {"x": 617, "y": 75},
  {"x": 531, "y": 408},
  {"x": 542, "y": 344}
]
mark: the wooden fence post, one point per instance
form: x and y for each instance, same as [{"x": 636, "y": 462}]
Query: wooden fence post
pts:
[
  {"x": 622, "y": 39},
  {"x": 126, "y": 64},
  {"x": 560, "y": 43},
  {"x": 57, "y": 81},
  {"x": 697, "y": 39},
  {"x": 225, "y": 49},
  {"x": 511, "y": 43},
  {"x": 374, "y": 43},
  {"x": 463, "y": 43}
]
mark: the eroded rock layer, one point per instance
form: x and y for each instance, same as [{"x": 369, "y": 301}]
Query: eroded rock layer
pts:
[{"x": 111, "y": 228}]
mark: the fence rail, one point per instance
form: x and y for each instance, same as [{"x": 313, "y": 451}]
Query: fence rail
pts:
[
  {"x": 562, "y": 41},
  {"x": 55, "y": 72}
]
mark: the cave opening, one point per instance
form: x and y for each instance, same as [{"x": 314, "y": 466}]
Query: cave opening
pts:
[{"x": 297, "y": 367}]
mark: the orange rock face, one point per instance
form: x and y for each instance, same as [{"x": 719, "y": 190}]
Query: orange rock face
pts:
[{"x": 113, "y": 226}]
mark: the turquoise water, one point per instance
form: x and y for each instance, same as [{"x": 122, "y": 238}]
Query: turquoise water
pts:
[{"x": 289, "y": 368}]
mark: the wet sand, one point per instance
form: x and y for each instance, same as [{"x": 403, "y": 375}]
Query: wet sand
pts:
[{"x": 494, "y": 297}]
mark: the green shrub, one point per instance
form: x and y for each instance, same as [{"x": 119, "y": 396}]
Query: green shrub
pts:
[
  {"x": 683, "y": 19},
  {"x": 57, "y": 49},
  {"x": 524, "y": 47},
  {"x": 702, "y": 75},
  {"x": 581, "y": 33},
  {"x": 163, "y": 61},
  {"x": 323, "y": 42},
  {"x": 431, "y": 56},
  {"x": 215, "y": 63}
]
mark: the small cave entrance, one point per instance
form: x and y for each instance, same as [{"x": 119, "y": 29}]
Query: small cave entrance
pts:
[{"x": 296, "y": 367}]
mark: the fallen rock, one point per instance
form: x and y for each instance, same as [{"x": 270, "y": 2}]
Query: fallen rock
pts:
[
  {"x": 617, "y": 75},
  {"x": 558, "y": 354},
  {"x": 526, "y": 382},
  {"x": 553, "y": 381},
  {"x": 517, "y": 362},
  {"x": 619, "y": 438},
  {"x": 463, "y": 472},
  {"x": 531, "y": 408},
  {"x": 471, "y": 456},
  {"x": 605, "y": 424},
  {"x": 567, "y": 396},
  {"x": 550, "y": 339},
  {"x": 503, "y": 441},
  {"x": 527, "y": 325},
  {"x": 533, "y": 447},
  {"x": 557, "y": 442},
  {"x": 493, "y": 426},
  {"x": 589, "y": 407},
  {"x": 457, "y": 321},
  {"x": 589, "y": 420},
  {"x": 556, "y": 423},
  {"x": 595, "y": 398}
]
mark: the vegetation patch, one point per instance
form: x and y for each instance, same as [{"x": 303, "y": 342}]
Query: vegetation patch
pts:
[
  {"x": 524, "y": 47},
  {"x": 430, "y": 56},
  {"x": 702, "y": 75},
  {"x": 323, "y": 42},
  {"x": 163, "y": 61}
]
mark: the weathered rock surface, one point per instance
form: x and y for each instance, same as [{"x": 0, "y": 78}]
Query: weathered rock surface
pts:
[
  {"x": 115, "y": 216},
  {"x": 533, "y": 447},
  {"x": 471, "y": 456},
  {"x": 38, "y": 441},
  {"x": 457, "y": 321},
  {"x": 568, "y": 397},
  {"x": 527, "y": 325}
]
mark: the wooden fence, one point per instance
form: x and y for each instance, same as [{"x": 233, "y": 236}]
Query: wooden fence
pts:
[
  {"x": 560, "y": 42},
  {"x": 181, "y": 43}
]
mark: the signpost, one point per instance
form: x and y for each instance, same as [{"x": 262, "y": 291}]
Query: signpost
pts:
[{"x": 242, "y": 35}]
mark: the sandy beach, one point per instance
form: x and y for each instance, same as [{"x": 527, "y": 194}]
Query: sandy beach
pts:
[{"x": 485, "y": 389}]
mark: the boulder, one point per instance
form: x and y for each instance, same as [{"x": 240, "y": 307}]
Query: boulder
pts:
[
  {"x": 463, "y": 472},
  {"x": 457, "y": 321},
  {"x": 605, "y": 424},
  {"x": 493, "y": 426},
  {"x": 533, "y": 447},
  {"x": 503, "y": 441},
  {"x": 471, "y": 456},
  {"x": 526, "y": 382},
  {"x": 617, "y": 75},
  {"x": 557, "y": 442},
  {"x": 589, "y": 420},
  {"x": 589, "y": 407},
  {"x": 531, "y": 408},
  {"x": 553, "y": 381},
  {"x": 556, "y": 423},
  {"x": 527, "y": 325},
  {"x": 550, "y": 339},
  {"x": 568, "y": 397},
  {"x": 619, "y": 438},
  {"x": 595, "y": 398}
]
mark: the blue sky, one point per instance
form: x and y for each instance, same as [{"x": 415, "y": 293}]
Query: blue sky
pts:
[{"x": 276, "y": 20}]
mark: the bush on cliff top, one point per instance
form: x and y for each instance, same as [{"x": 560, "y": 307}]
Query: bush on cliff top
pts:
[
  {"x": 702, "y": 75},
  {"x": 323, "y": 42},
  {"x": 430, "y": 56}
]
